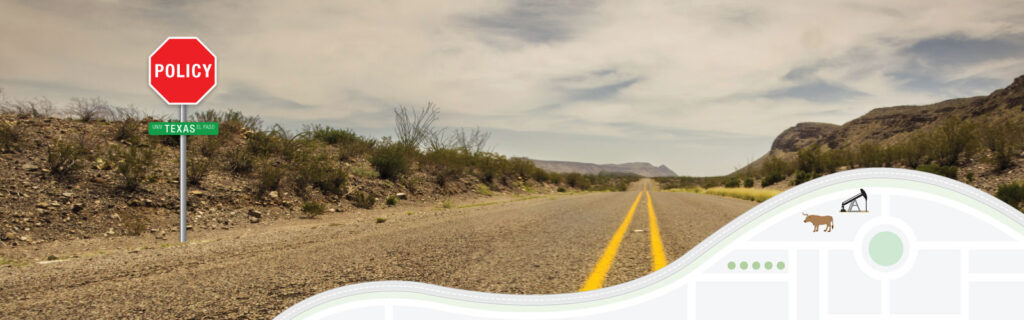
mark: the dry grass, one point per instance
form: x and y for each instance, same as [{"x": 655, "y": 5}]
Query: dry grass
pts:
[{"x": 752, "y": 194}]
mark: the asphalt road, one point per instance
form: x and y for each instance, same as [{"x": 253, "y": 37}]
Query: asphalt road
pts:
[{"x": 549, "y": 244}]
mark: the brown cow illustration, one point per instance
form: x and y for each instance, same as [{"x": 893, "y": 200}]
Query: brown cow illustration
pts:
[{"x": 819, "y": 220}]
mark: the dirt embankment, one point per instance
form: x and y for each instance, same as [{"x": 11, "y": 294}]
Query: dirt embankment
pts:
[{"x": 39, "y": 205}]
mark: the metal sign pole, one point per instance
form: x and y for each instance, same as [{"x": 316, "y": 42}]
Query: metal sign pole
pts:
[{"x": 182, "y": 178}]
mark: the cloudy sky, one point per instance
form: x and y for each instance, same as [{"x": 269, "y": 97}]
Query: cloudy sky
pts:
[{"x": 701, "y": 86}]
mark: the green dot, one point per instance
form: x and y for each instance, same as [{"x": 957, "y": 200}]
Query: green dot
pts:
[
  {"x": 781, "y": 265},
  {"x": 743, "y": 265},
  {"x": 756, "y": 265},
  {"x": 732, "y": 265},
  {"x": 885, "y": 248},
  {"x": 767, "y": 265}
]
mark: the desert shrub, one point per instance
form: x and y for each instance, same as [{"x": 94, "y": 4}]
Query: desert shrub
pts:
[
  {"x": 911, "y": 152},
  {"x": 312, "y": 209},
  {"x": 381, "y": 219},
  {"x": 732, "y": 183},
  {"x": 946, "y": 171},
  {"x": 350, "y": 145},
  {"x": 577, "y": 181},
  {"x": 1003, "y": 140},
  {"x": 88, "y": 109},
  {"x": 556, "y": 178},
  {"x": 234, "y": 121},
  {"x": 289, "y": 145},
  {"x": 491, "y": 167},
  {"x": 329, "y": 135},
  {"x": 774, "y": 170},
  {"x": 413, "y": 127},
  {"x": 870, "y": 154},
  {"x": 540, "y": 175},
  {"x": 10, "y": 137},
  {"x": 771, "y": 179},
  {"x": 357, "y": 148},
  {"x": 447, "y": 165},
  {"x": 240, "y": 161},
  {"x": 64, "y": 158},
  {"x": 521, "y": 167},
  {"x": 473, "y": 141},
  {"x": 391, "y": 201},
  {"x": 950, "y": 139},
  {"x": 392, "y": 160},
  {"x": 208, "y": 115},
  {"x": 748, "y": 182},
  {"x": 1012, "y": 194},
  {"x": 802, "y": 176},
  {"x": 133, "y": 164},
  {"x": 362, "y": 199},
  {"x": 561, "y": 189},
  {"x": 261, "y": 143},
  {"x": 197, "y": 168},
  {"x": 208, "y": 146},
  {"x": 314, "y": 170},
  {"x": 37, "y": 108},
  {"x": 231, "y": 121},
  {"x": 269, "y": 178},
  {"x": 127, "y": 125},
  {"x": 815, "y": 159}
]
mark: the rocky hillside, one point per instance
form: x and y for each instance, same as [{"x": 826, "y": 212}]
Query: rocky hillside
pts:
[
  {"x": 885, "y": 125},
  {"x": 642, "y": 169},
  {"x": 894, "y": 132},
  {"x": 802, "y": 135}
]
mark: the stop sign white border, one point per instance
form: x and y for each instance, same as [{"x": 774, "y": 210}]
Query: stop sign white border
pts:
[{"x": 149, "y": 71}]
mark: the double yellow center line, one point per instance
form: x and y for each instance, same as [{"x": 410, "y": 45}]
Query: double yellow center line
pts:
[{"x": 597, "y": 277}]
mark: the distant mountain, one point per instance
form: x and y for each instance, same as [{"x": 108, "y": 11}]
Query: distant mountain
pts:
[{"x": 643, "y": 169}]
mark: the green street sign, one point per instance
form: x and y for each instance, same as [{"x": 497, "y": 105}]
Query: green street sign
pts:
[{"x": 183, "y": 128}]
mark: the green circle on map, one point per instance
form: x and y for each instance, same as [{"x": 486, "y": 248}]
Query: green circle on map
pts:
[
  {"x": 756, "y": 265},
  {"x": 743, "y": 265},
  {"x": 781, "y": 265},
  {"x": 885, "y": 248},
  {"x": 732, "y": 265},
  {"x": 767, "y": 265}
]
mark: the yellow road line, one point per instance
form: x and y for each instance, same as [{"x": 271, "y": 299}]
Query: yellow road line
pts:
[
  {"x": 596, "y": 279},
  {"x": 657, "y": 249}
]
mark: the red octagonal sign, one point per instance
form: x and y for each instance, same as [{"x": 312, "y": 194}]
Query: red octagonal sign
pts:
[{"x": 182, "y": 70}]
